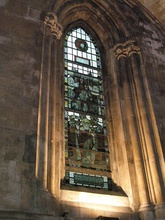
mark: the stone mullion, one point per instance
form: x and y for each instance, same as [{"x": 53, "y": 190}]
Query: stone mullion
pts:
[
  {"x": 150, "y": 156},
  {"x": 132, "y": 129}
]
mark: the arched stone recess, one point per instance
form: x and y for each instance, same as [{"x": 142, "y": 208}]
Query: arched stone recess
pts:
[{"x": 133, "y": 137}]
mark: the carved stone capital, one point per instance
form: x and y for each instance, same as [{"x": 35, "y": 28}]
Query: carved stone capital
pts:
[
  {"x": 126, "y": 49},
  {"x": 55, "y": 27}
]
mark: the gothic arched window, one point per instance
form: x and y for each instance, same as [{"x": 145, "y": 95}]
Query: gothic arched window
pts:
[{"x": 86, "y": 148}]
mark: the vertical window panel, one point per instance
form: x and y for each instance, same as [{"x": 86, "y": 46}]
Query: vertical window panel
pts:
[{"x": 86, "y": 148}]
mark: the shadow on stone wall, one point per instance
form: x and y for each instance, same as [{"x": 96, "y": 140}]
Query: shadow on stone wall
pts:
[{"x": 30, "y": 148}]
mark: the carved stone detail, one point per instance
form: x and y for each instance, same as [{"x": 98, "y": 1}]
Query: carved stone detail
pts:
[
  {"x": 55, "y": 27},
  {"x": 126, "y": 49}
]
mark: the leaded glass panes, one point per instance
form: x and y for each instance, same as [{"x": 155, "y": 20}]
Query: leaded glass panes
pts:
[{"x": 86, "y": 144}]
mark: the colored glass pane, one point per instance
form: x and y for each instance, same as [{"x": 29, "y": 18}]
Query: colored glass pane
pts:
[{"x": 85, "y": 124}]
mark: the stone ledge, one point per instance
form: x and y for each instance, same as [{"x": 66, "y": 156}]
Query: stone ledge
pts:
[{"x": 96, "y": 201}]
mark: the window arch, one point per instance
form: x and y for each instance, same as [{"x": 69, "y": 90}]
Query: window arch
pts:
[
  {"x": 86, "y": 146},
  {"x": 129, "y": 120}
]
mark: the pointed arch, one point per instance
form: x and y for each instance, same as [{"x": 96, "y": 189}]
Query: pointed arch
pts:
[
  {"x": 86, "y": 145},
  {"x": 132, "y": 138}
]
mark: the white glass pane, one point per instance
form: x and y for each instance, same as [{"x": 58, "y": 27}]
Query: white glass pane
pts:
[
  {"x": 78, "y": 35},
  {"x": 89, "y": 50},
  {"x": 84, "y": 55},
  {"x": 69, "y": 50},
  {"x": 79, "y": 53},
  {"x": 74, "y": 33},
  {"x": 74, "y": 52},
  {"x": 69, "y": 44},
  {"x": 71, "y": 174},
  {"x": 87, "y": 38},
  {"x": 83, "y": 32},
  {"x": 70, "y": 57},
  {"x": 83, "y": 37},
  {"x": 93, "y": 51},
  {"x": 94, "y": 57},
  {"x": 80, "y": 70},
  {"x": 89, "y": 56},
  {"x": 69, "y": 67}
]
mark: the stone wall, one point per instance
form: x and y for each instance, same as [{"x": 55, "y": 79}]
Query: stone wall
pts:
[
  {"x": 20, "y": 49},
  {"x": 20, "y": 63}
]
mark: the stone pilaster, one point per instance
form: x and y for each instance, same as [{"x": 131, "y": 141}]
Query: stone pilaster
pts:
[
  {"x": 146, "y": 132},
  {"x": 122, "y": 52},
  {"x": 45, "y": 157},
  {"x": 144, "y": 147},
  {"x": 149, "y": 145}
]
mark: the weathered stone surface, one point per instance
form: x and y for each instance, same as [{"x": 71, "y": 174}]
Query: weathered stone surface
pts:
[{"x": 20, "y": 70}]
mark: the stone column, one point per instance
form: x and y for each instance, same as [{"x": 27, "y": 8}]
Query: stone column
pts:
[
  {"x": 45, "y": 143},
  {"x": 148, "y": 142},
  {"x": 121, "y": 52},
  {"x": 124, "y": 54},
  {"x": 55, "y": 109}
]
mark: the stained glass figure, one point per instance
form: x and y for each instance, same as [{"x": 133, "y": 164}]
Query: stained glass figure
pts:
[{"x": 85, "y": 124}]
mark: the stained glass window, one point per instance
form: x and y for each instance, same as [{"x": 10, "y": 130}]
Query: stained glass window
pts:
[{"x": 86, "y": 146}]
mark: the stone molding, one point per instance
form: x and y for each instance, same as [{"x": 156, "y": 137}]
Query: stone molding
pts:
[
  {"x": 47, "y": 165},
  {"x": 125, "y": 49},
  {"x": 55, "y": 27}
]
